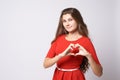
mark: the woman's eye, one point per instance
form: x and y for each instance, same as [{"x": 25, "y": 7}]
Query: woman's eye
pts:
[
  {"x": 64, "y": 21},
  {"x": 69, "y": 19}
]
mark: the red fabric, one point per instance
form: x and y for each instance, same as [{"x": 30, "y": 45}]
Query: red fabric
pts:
[{"x": 70, "y": 62}]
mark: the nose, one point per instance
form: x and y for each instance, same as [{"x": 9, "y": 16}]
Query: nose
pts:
[{"x": 67, "y": 23}]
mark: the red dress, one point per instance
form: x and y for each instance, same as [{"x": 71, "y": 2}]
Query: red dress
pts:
[{"x": 70, "y": 62}]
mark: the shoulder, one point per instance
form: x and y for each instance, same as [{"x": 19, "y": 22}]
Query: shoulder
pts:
[
  {"x": 59, "y": 38},
  {"x": 86, "y": 39}
]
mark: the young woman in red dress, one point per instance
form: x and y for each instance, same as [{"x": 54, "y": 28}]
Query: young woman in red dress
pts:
[{"x": 72, "y": 49}]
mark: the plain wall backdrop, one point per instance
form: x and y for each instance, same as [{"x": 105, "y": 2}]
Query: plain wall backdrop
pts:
[{"x": 27, "y": 28}]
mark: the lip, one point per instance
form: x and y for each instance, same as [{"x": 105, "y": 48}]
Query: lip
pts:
[{"x": 68, "y": 27}]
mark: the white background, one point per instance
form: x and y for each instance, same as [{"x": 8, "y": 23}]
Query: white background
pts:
[{"x": 28, "y": 26}]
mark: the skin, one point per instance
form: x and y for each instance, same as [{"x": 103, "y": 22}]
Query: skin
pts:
[{"x": 71, "y": 26}]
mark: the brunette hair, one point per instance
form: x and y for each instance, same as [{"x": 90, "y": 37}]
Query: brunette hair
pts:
[{"x": 82, "y": 28}]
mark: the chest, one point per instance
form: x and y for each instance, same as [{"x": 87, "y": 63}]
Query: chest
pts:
[{"x": 62, "y": 45}]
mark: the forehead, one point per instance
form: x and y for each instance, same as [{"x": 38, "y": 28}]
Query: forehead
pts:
[{"x": 66, "y": 16}]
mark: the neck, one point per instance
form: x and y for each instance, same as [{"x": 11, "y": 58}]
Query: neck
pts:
[{"x": 73, "y": 36}]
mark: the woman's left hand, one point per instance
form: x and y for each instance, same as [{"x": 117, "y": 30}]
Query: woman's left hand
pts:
[{"x": 82, "y": 50}]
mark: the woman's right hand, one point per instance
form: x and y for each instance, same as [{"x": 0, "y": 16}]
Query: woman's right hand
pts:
[
  {"x": 51, "y": 61},
  {"x": 67, "y": 50}
]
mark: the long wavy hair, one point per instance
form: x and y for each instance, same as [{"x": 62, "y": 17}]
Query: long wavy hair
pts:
[{"x": 82, "y": 28}]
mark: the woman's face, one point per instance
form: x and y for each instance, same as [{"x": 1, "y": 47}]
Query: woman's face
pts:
[{"x": 69, "y": 23}]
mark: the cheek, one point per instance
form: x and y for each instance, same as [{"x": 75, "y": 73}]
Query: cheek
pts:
[
  {"x": 74, "y": 24},
  {"x": 64, "y": 24},
  {"x": 75, "y": 27}
]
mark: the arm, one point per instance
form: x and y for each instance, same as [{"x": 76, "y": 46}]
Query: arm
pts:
[
  {"x": 48, "y": 62},
  {"x": 96, "y": 68}
]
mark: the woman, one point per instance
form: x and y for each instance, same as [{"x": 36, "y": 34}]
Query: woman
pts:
[{"x": 72, "y": 49}]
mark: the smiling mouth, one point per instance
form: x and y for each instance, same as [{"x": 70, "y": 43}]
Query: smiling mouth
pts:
[{"x": 69, "y": 27}]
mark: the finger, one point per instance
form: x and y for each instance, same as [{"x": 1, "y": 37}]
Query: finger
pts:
[
  {"x": 81, "y": 47},
  {"x": 77, "y": 54},
  {"x": 71, "y": 54},
  {"x": 77, "y": 45},
  {"x": 72, "y": 46}
]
